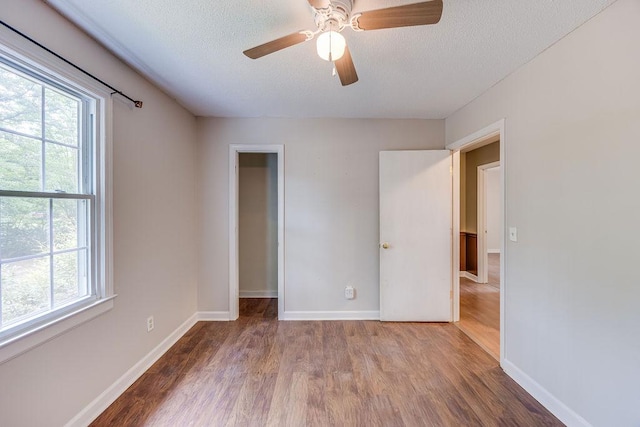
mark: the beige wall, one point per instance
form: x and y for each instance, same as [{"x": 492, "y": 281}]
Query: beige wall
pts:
[
  {"x": 472, "y": 159},
  {"x": 331, "y": 204},
  {"x": 258, "y": 223},
  {"x": 154, "y": 216},
  {"x": 572, "y": 129}
]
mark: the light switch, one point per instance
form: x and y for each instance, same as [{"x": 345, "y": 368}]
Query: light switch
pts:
[{"x": 513, "y": 234}]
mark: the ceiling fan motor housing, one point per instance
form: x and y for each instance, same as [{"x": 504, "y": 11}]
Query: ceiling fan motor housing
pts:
[{"x": 333, "y": 17}]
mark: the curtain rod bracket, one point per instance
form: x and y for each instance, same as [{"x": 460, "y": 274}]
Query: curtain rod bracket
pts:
[{"x": 137, "y": 104}]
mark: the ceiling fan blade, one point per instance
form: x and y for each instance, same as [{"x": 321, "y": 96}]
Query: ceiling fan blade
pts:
[
  {"x": 276, "y": 45},
  {"x": 345, "y": 68},
  {"x": 319, "y": 4},
  {"x": 425, "y": 13}
]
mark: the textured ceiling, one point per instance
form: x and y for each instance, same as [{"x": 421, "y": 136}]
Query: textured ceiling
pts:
[{"x": 193, "y": 50}]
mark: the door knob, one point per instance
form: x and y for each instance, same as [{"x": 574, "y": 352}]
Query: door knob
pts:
[{"x": 385, "y": 245}]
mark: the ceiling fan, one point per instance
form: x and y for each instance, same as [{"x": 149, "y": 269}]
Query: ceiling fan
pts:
[{"x": 333, "y": 16}]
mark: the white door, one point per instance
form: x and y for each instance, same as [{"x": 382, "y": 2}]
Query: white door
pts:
[{"x": 415, "y": 236}]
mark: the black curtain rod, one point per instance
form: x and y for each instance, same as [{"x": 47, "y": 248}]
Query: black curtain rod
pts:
[{"x": 138, "y": 104}]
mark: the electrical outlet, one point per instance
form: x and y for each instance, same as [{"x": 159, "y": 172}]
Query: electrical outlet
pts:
[
  {"x": 150, "y": 324},
  {"x": 513, "y": 234},
  {"x": 349, "y": 292}
]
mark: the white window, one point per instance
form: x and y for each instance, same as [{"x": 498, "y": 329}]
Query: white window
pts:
[{"x": 54, "y": 225}]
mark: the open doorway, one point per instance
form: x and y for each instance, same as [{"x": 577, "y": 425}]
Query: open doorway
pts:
[
  {"x": 256, "y": 230},
  {"x": 479, "y": 222},
  {"x": 479, "y": 290},
  {"x": 258, "y": 234}
]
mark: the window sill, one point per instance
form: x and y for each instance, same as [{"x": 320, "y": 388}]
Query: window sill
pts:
[{"x": 19, "y": 344}]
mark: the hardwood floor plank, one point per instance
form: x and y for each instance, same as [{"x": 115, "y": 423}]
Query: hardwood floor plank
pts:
[
  {"x": 253, "y": 403},
  {"x": 317, "y": 414},
  {"x": 280, "y": 399},
  {"x": 420, "y": 410},
  {"x": 381, "y": 411},
  {"x": 258, "y": 371},
  {"x": 343, "y": 404},
  {"x": 297, "y": 400}
]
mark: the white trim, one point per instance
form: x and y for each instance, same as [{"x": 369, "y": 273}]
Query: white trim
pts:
[
  {"x": 469, "y": 276},
  {"x": 213, "y": 316},
  {"x": 479, "y": 138},
  {"x": 493, "y": 251},
  {"x": 259, "y": 294},
  {"x": 107, "y": 397},
  {"x": 455, "y": 237},
  {"x": 481, "y": 223},
  {"x": 104, "y": 160},
  {"x": 233, "y": 233},
  {"x": 331, "y": 315},
  {"x": 481, "y": 227},
  {"x": 234, "y": 150},
  {"x": 542, "y": 395}
]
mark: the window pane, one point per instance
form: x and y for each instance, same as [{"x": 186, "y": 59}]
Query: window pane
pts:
[
  {"x": 20, "y": 103},
  {"x": 69, "y": 217},
  {"x": 61, "y": 168},
  {"x": 20, "y": 162},
  {"x": 61, "y": 117},
  {"x": 24, "y": 226},
  {"x": 69, "y": 277},
  {"x": 25, "y": 289}
]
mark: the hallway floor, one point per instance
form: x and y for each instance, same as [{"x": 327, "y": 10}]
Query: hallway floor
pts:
[{"x": 480, "y": 309}]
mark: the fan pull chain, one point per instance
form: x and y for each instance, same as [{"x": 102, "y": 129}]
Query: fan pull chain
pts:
[{"x": 333, "y": 73}]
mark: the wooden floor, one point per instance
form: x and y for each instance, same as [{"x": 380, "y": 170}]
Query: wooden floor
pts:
[
  {"x": 480, "y": 309},
  {"x": 258, "y": 371}
]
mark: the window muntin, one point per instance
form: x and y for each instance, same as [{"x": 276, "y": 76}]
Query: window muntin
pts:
[{"x": 47, "y": 262}]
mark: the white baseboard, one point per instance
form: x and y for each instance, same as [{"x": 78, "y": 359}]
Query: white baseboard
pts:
[
  {"x": 542, "y": 395},
  {"x": 331, "y": 315},
  {"x": 107, "y": 397},
  {"x": 212, "y": 316},
  {"x": 469, "y": 276},
  {"x": 259, "y": 294},
  {"x": 493, "y": 251}
]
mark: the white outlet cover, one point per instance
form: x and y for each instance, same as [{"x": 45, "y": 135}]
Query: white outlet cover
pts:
[
  {"x": 513, "y": 234},
  {"x": 349, "y": 292}
]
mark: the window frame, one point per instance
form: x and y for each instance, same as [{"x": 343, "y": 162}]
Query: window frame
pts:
[{"x": 44, "y": 328}]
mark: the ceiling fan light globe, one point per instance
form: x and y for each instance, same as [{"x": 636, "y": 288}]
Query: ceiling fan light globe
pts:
[{"x": 331, "y": 45}]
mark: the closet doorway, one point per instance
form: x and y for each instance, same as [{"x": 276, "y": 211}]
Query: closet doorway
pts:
[{"x": 256, "y": 228}]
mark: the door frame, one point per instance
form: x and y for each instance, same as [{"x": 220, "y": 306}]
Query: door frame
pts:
[
  {"x": 479, "y": 138},
  {"x": 481, "y": 205},
  {"x": 234, "y": 263}
]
